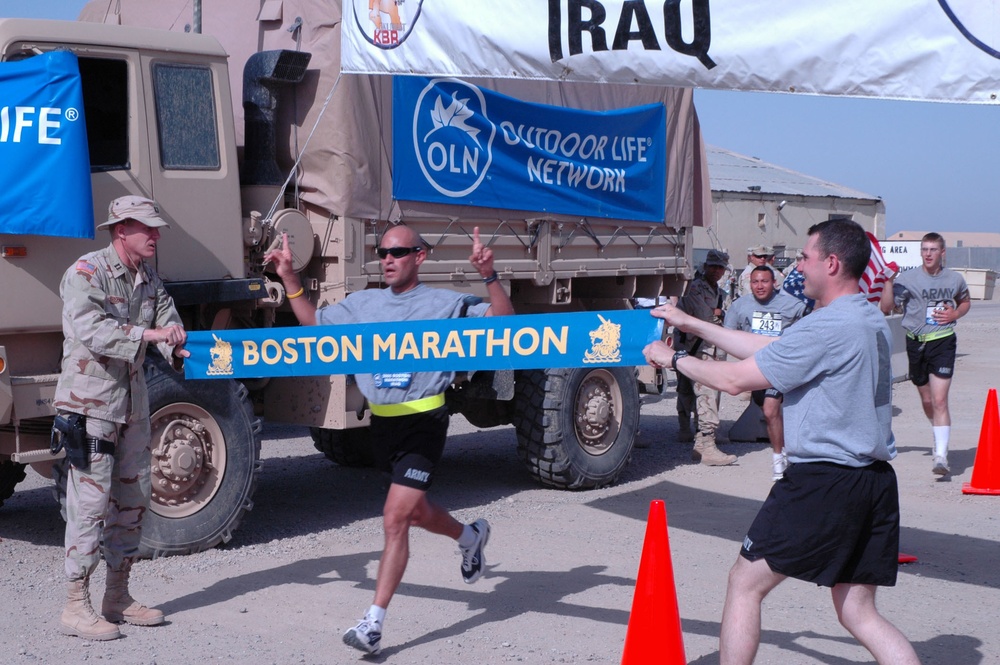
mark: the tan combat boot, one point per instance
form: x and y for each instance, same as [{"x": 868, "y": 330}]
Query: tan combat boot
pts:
[
  {"x": 79, "y": 618},
  {"x": 710, "y": 455},
  {"x": 119, "y": 606}
]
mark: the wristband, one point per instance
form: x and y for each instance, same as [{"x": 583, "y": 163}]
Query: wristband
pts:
[
  {"x": 297, "y": 294},
  {"x": 681, "y": 353},
  {"x": 492, "y": 278}
]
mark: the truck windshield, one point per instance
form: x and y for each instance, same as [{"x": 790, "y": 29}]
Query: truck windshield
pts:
[{"x": 105, "y": 107}]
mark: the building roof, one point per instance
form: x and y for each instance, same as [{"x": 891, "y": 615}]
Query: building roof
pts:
[
  {"x": 733, "y": 172},
  {"x": 954, "y": 238}
]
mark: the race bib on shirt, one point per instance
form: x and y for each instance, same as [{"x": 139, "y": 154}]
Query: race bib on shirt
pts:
[
  {"x": 934, "y": 306},
  {"x": 393, "y": 380},
  {"x": 765, "y": 323}
]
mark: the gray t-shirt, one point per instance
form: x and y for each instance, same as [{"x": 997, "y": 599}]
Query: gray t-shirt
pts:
[
  {"x": 768, "y": 318},
  {"x": 382, "y": 305},
  {"x": 833, "y": 368},
  {"x": 919, "y": 293}
]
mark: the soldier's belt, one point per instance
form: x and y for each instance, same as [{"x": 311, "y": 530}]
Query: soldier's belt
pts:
[
  {"x": 930, "y": 337},
  {"x": 102, "y": 446},
  {"x": 422, "y": 405}
]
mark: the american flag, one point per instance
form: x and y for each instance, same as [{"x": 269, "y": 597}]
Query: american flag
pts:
[
  {"x": 878, "y": 271},
  {"x": 795, "y": 285}
]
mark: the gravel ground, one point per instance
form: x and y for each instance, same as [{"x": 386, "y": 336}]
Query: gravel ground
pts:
[{"x": 562, "y": 565}]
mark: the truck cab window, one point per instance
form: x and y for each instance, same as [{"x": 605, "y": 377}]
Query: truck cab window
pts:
[
  {"x": 105, "y": 107},
  {"x": 185, "y": 116}
]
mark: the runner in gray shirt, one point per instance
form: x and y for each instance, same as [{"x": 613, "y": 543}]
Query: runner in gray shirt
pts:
[
  {"x": 769, "y": 312},
  {"x": 834, "y": 518},
  {"x": 932, "y": 299}
]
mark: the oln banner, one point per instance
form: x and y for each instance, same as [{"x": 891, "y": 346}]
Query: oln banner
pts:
[
  {"x": 458, "y": 143},
  {"x": 44, "y": 160},
  {"x": 578, "y": 339}
]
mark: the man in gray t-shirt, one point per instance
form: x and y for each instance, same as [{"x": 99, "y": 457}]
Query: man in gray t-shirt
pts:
[
  {"x": 767, "y": 311},
  {"x": 834, "y": 518},
  {"x": 932, "y": 299},
  {"x": 409, "y": 418}
]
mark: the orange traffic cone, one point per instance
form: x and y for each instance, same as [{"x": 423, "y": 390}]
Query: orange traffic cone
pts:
[
  {"x": 986, "y": 470},
  {"x": 654, "y": 626}
]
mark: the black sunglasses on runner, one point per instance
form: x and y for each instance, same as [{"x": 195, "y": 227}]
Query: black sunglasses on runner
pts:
[{"x": 396, "y": 252}]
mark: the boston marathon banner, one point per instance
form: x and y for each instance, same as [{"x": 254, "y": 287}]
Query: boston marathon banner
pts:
[
  {"x": 579, "y": 339},
  {"x": 454, "y": 142},
  {"x": 44, "y": 162},
  {"x": 943, "y": 50}
]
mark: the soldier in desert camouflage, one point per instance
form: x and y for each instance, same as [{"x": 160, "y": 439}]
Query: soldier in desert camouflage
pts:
[{"x": 114, "y": 305}]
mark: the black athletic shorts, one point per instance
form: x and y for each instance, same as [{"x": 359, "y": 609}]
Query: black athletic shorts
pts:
[
  {"x": 758, "y": 395},
  {"x": 830, "y": 524},
  {"x": 410, "y": 446},
  {"x": 935, "y": 357}
]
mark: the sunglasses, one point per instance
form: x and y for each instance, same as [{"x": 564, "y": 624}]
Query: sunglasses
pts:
[{"x": 395, "y": 252}]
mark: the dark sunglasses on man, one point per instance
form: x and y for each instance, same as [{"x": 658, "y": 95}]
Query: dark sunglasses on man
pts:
[{"x": 395, "y": 252}]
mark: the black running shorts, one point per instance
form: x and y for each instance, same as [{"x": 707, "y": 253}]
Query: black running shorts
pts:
[
  {"x": 758, "y": 395},
  {"x": 830, "y": 524},
  {"x": 935, "y": 357},
  {"x": 410, "y": 446}
]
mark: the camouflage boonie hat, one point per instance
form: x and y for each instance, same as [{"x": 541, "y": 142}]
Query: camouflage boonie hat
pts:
[
  {"x": 717, "y": 257},
  {"x": 142, "y": 210}
]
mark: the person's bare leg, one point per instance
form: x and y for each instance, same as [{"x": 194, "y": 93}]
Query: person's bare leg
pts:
[
  {"x": 406, "y": 506},
  {"x": 855, "y": 605},
  {"x": 749, "y": 584},
  {"x": 938, "y": 388},
  {"x": 775, "y": 423}
]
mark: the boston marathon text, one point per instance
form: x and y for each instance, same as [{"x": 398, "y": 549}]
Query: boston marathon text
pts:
[
  {"x": 423, "y": 346},
  {"x": 634, "y": 24}
]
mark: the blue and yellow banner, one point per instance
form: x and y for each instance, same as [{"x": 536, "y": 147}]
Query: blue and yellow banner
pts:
[
  {"x": 578, "y": 339},
  {"x": 44, "y": 159},
  {"x": 458, "y": 143}
]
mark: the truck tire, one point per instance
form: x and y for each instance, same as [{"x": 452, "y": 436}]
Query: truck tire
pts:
[
  {"x": 576, "y": 427},
  {"x": 11, "y": 473},
  {"x": 346, "y": 447},
  {"x": 206, "y": 459}
]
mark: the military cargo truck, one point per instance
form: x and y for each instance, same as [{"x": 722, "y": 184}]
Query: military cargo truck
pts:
[{"x": 167, "y": 119}]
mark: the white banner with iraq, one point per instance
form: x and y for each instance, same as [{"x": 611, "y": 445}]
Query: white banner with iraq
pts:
[{"x": 578, "y": 339}]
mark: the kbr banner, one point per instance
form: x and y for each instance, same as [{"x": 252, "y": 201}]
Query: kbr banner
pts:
[
  {"x": 44, "y": 161},
  {"x": 578, "y": 339},
  {"x": 941, "y": 50},
  {"x": 455, "y": 142}
]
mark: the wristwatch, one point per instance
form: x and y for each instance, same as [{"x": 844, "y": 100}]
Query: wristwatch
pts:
[{"x": 680, "y": 353}]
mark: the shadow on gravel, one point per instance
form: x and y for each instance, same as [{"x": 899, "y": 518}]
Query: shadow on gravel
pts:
[
  {"x": 944, "y": 556},
  {"x": 32, "y": 516},
  {"x": 803, "y": 645}
]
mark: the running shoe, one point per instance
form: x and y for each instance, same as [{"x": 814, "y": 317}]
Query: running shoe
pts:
[
  {"x": 941, "y": 465},
  {"x": 366, "y": 636},
  {"x": 473, "y": 560}
]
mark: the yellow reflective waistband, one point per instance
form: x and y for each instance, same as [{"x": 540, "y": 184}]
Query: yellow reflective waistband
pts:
[
  {"x": 930, "y": 337},
  {"x": 407, "y": 408}
]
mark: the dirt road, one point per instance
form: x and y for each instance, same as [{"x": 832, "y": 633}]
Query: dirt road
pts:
[{"x": 562, "y": 565}]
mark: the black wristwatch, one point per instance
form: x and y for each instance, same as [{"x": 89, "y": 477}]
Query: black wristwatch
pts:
[{"x": 680, "y": 353}]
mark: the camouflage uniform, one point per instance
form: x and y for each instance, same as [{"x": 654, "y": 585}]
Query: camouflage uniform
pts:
[
  {"x": 700, "y": 300},
  {"x": 105, "y": 311}
]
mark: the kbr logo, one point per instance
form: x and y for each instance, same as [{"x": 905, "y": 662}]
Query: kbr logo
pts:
[
  {"x": 453, "y": 136},
  {"x": 977, "y": 21},
  {"x": 386, "y": 24}
]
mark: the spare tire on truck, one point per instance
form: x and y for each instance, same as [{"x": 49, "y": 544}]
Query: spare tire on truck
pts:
[
  {"x": 576, "y": 427},
  {"x": 206, "y": 459}
]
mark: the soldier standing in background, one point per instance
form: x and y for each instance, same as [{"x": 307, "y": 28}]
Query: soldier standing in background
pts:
[
  {"x": 114, "y": 305},
  {"x": 702, "y": 300}
]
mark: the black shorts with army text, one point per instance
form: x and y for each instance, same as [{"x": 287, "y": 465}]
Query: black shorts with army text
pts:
[
  {"x": 830, "y": 524},
  {"x": 936, "y": 357},
  {"x": 410, "y": 446}
]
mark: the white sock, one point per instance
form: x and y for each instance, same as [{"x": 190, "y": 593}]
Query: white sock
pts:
[
  {"x": 468, "y": 537},
  {"x": 376, "y": 613},
  {"x": 776, "y": 456},
  {"x": 941, "y": 435}
]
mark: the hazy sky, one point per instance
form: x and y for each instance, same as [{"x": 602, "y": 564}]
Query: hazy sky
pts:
[{"x": 935, "y": 165}]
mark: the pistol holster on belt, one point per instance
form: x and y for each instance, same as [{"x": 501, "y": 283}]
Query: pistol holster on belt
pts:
[{"x": 69, "y": 431}]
